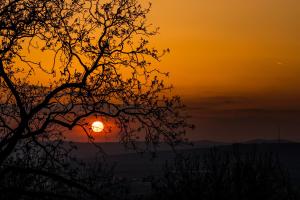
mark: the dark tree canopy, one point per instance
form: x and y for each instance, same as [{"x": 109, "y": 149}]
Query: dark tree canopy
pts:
[{"x": 62, "y": 62}]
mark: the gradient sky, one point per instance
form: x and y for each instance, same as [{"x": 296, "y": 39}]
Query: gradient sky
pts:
[{"x": 236, "y": 64}]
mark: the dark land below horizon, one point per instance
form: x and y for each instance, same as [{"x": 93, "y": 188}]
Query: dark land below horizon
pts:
[{"x": 136, "y": 166}]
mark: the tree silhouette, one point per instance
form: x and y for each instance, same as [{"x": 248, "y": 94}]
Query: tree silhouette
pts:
[{"x": 62, "y": 62}]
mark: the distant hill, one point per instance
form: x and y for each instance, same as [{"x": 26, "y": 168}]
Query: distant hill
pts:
[
  {"x": 137, "y": 166},
  {"x": 85, "y": 150},
  {"x": 131, "y": 165},
  {"x": 264, "y": 141}
]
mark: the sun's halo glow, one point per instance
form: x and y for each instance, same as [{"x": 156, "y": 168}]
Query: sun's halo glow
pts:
[{"x": 97, "y": 126}]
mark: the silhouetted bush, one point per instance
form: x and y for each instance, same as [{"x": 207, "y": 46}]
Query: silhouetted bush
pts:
[
  {"x": 225, "y": 175},
  {"x": 77, "y": 181}
]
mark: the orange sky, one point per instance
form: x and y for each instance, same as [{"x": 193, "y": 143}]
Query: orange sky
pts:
[
  {"x": 236, "y": 63},
  {"x": 231, "y": 47},
  {"x": 227, "y": 47}
]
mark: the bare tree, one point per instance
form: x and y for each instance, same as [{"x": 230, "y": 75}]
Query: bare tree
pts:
[{"x": 62, "y": 62}]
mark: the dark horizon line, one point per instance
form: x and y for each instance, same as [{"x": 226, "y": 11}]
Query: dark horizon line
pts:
[{"x": 256, "y": 140}]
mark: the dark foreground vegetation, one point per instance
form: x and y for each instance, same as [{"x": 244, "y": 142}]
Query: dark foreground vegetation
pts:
[
  {"x": 225, "y": 175},
  {"x": 215, "y": 175},
  {"x": 81, "y": 181}
]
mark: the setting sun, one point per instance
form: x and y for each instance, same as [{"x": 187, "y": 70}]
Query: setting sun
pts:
[{"x": 97, "y": 126}]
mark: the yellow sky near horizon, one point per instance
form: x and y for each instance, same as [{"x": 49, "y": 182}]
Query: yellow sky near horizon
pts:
[{"x": 232, "y": 47}]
